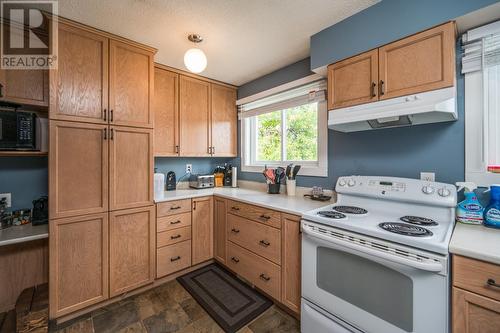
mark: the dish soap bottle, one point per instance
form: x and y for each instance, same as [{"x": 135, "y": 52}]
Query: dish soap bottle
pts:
[
  {"x": 470, "y": 210},
  {"x": 492, "y": 211}
]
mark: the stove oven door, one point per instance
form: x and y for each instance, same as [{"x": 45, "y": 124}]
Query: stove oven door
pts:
[{"x": 370, "y": 291}]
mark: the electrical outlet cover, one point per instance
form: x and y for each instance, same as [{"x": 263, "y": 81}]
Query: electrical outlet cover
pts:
[
  {"x": 428, "y": 176},
  {"x": 189, "y": 168},
  {"x": 8, "y": 196}
]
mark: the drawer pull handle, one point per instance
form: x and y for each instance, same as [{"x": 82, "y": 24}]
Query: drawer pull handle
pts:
[
  {"x": 175, "y": 258},
  {"x": 175, "y": 237},
  {"x": 175, "y": 222},
  {"x": 265, "y": 217},
  {"x": 235, "y": 230},
  {"x": 236, "y": 260},
  {"x": 492, "y": 283},
  {"x": 175, "y": 207},
  {"x": 264, "y": 243},
  {"x": 235, "y": 208},
  {"x": 264, "y": 277}
]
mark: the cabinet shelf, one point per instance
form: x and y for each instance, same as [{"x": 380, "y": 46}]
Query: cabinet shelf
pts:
[{"x": 23, "y": 153}]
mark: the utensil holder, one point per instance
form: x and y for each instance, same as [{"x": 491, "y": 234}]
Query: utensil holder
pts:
[
  {"x": 290, "y": 187},
  {"x": 273, "y": 188}
]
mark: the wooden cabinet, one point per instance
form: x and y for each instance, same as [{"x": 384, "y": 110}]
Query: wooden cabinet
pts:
[
  {"x": 166, "y": 113},
  {"x": 473, "y": 313},
  {"x": 353, "y": 81},
  {"x": 202, "y": 229},
  {"x": 78, "y": 259},
  {"x": 130, "y": 167},
  {"x": 27, "y": 87},
  {"x": 220, "y": 229},
  {"x": 130, "y": 85},
  {"x": 173, "y": 258},
  {"x": 131, "y": 249},
  {"x": 78, "y": 169},
  {"x": 173, "y": 207},
  {"x": 224, "y": 121},
  {"x": 422, "y": 62},
  {"x": 291, "y": 262},
  {"x": 255, "y": 213},
  {"x": 194, "y": 117},
  {"x": 79, "y": 85}
]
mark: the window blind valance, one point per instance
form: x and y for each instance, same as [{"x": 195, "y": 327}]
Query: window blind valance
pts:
[{"x": 481, "y": 48}]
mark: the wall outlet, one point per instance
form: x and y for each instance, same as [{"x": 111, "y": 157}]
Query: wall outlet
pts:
[
  {"x": 428, "y": 176},
  {"x": 8, "y": 197},
  {"x": 189, "y": 168}
]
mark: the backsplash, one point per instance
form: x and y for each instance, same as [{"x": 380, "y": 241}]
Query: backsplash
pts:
[{"x": 201, "y": 165}]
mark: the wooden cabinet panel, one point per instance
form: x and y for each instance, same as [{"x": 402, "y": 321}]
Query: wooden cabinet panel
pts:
[
  {"x": 166, "y": 113},
  {"x": 78, "y": 262},
  {"x": 131, "y": 167},
  {"x": 173, "y": 221},
  {"x": 473, "y": 275},
  {"x": 473, "y": 313},
  {"x": 203, "y": 230},
  {"x": 79, "y": 86},
  {"x": 173, "y": 236},
  {"x": 194, "y": 113},
  {"x": 291, "y": 262},
  {"x": 173, "y": 207},
  {"x": 224, "y": 121},
  {"x": 131, "y": 249},
  {"x": 255, "y": 213},
  {"x": 130, "y": 85},
  {"x": 78, "y": 169},
  {"x": 353, "y": 81},
  {"x": 422, "y": 62},
  {"x": 220, "y": 229},
  {"x": 29, "y": 87},
  {"x": 173, "y": 258}
]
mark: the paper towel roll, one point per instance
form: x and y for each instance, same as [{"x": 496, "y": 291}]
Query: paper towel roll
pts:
[
  {"x": 234, "y": 179},
  {"x": 159, "y": 185}
]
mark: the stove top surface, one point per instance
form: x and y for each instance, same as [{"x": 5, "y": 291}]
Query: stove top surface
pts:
[{"x": 405, "y": 229}]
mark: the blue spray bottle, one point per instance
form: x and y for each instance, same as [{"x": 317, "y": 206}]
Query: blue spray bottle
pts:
[
  {"x": 492, "y": 211},
  {"x": 470, "y": 210}
]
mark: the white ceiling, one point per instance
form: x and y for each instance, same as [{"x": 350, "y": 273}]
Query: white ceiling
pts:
[{"x": 244, "y": 39}]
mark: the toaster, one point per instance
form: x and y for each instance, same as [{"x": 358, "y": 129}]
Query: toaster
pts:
[{"x": 201, "y": 181}]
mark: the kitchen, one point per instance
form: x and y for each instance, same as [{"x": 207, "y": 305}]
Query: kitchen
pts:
[{"x": 385, "y": 124}]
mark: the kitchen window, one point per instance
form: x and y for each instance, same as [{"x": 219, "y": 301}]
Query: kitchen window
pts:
[
  {"x": 481, "y": 66},
  {"x": 289, "y": 127}
]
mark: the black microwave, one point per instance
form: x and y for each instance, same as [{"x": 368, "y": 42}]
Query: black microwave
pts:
[{"x": 17, "y": 130}]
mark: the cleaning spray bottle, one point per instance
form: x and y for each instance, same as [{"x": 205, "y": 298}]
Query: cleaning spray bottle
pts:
[
  {"x": 492, "y": 211},
  {"x": 470, "y": 210}
]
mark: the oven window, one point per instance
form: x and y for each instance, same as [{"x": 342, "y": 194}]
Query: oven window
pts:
[{"x": 370, "y": 286}]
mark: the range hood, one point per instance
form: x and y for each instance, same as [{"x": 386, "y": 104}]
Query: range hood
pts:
[{"x": 423, "y": 108}]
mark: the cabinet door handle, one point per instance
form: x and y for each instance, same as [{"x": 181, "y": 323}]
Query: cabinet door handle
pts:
[
  {"x": 175, "y": 222},
  {"x": 209, "y": 150},
  {"x": 175, "y": 207},
  {"x": 175, "y": 237},
  {"x": 105, "y": 134},
  {"x": 1, "y": 90},
  {"x": 265, "y": 217},
  {"x": 235, "y": 230},
  {"x": 175, "y": 258},
  {"x": 264, "y": 277},
  {"x": 104, "y": 114},
  {"x": 177, "y": 149},
  {"x": 264, "y": 243},
  {"x": 235, "y": 208},
  {"x": 236, "y": 260},
  {"x": 492, "y": 283},
  {"x": 111, "y": 115},
  {"x": 373, "y": 89},
  {"x": 194, "y": 205},
  {"x": 111, "y": 134},
  {"x": 213, "y": 150},
  {"x": 382, "y": 87}
]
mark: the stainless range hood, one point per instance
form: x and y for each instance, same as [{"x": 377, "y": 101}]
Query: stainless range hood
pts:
[{"x": 424, "y": 108}]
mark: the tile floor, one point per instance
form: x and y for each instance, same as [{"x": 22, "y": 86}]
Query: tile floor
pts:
[{"x": 168, "y": 308}]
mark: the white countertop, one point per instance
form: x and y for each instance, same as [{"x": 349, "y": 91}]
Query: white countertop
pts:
[
  {"x": 477, "y": 242},
  {"x": 23, "y": 233},
  {"x": 296, "y": 205}
]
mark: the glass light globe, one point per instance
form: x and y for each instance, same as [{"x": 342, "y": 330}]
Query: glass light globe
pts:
[{"x": 195, "y": 60}]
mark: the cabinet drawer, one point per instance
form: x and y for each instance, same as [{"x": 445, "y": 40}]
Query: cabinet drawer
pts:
[
  {"x": 173, "y": 222},
  {"x": 170, "y": 237},
  {"x": 256, "y": 237},
  {"x": 261, "y": 272},
  {"x": 173, "y": 207},
  {"x": 255, "y": 213},
  {"x": 473, "y": 275},
  {"x": 173, "y": 258}
]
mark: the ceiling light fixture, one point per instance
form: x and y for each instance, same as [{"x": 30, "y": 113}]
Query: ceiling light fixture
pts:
[{"x": 194, "y": 58}]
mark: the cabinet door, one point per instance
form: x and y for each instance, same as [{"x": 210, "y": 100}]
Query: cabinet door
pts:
[
  {"x": 131, "y": 167},
  {"x": 166, "y": 112},
  {"x": 194, "y": 117},
  {"x": 79, "y": 85},
  {"x": 353, "y": 81},
  {"x": 130, "y": 85},
  {"x": 473, "y": 313},
  {"x": 220, "y": 229},
  {"x": 131, "y": 249},
  {"x": 78, "y": 259},
  {"x": 203, "y": 230},
  {"x": 224, "y": 121},
  {"x": 29, "y": 87},
  {"x": 291, "y": 257},
  {"x": 422, "y": 62},
  {"x": 78, "y": 169}
]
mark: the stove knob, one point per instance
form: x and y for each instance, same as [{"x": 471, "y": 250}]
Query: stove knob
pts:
[
  {"x": 428, "y": 189},
  {"x": 342, "y": 182},
  {"x": 351, "y": 182},
  {"x": 444, "y": 192}
]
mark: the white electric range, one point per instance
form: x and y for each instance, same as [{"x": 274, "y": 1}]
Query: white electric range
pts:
[{"x": 377, "y": 260}]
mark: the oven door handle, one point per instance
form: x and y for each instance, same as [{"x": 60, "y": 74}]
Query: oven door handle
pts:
[{"x": 426, "y": 266}]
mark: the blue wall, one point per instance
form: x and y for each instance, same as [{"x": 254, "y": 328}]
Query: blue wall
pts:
[
  {"x": 178, "y": 164},
  {"x": 383, "y": 23}
]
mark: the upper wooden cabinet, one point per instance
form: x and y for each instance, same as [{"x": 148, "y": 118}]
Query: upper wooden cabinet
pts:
[
  {"x": 353, "y": 81},
  {"x": 202, "y": 230},
  {"x": 27, "y": 87},
  {"x": 419, "y": 63},
  {"x": 224, "y": 121},
  {"x": 166, "y": 113}
]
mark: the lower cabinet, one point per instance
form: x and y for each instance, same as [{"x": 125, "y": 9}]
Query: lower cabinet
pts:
[
  {"x": 131, "y": 249},
  {"x": 220, "y": 229},
  {"x": 173, "y": 258},
  {"x": 473, "y": 313},
  {"x": 290, "y": 261},
  {"x": 78, "y": 260},
  {"x": 202, "y": 229}
]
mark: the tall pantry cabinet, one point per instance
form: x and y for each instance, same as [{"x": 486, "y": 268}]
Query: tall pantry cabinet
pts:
[{"x": 102, "y": 232}]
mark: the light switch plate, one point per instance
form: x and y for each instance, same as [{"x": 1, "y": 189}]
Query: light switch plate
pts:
[
  {"x": 428, "y": 176},
  {"x": 8, "y": 196}
]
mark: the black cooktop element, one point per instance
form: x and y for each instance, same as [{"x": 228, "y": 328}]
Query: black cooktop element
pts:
[
  {"x": 331, "y": 214},
  {"x": 350, "y": 210},
  {"x": 405, "y": 229},
  {"x": 418, "y": 220}
]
